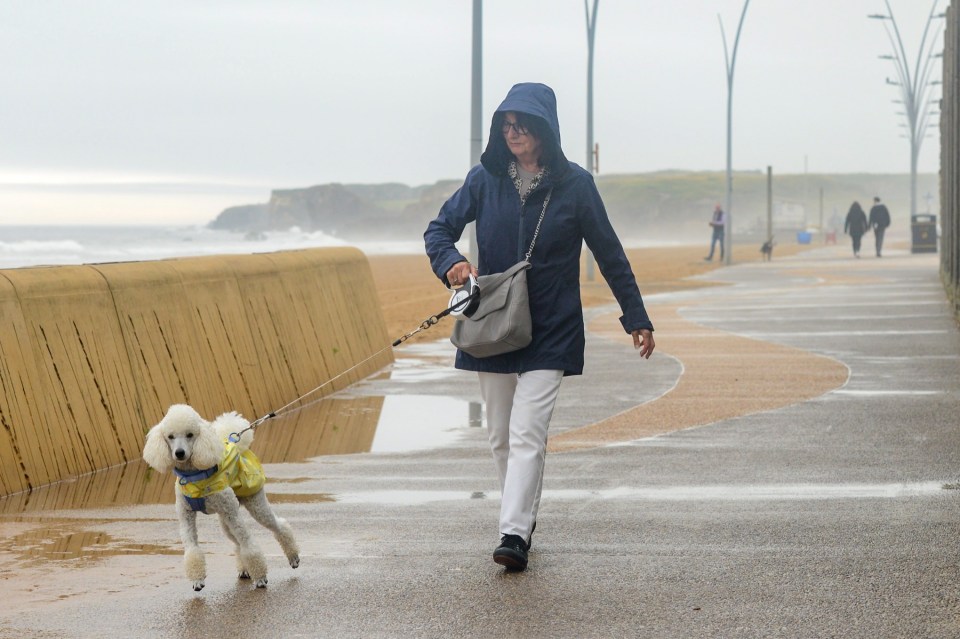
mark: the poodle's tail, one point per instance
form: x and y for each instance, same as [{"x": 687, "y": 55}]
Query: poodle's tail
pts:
[{"x": 233, "y": 422}]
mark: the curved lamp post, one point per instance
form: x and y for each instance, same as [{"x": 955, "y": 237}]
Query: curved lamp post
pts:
[
  {"x": 731, "y": 61},
  {"x": 915, "y": 87}
]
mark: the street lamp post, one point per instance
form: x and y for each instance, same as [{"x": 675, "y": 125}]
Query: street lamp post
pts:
[
  {"x": 731, "y": 61},
  {"x": 476, "y": 108},
  {"x": 591, "y": 33},
  {"x": 915, "y": 85}
]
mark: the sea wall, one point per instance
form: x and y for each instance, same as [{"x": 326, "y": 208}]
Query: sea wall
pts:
[{"x": 91, "y": 356}]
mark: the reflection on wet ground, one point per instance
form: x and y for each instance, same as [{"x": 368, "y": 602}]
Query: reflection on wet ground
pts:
[
  {"x": 300, "y": 498},
  {"x": 332, "y": 426},
  {"x": 60, "y": 543},
  {"x": 62, "y": 539},
  {"x": 34, "y": 527},
  {"x": 748, "y": 492}
]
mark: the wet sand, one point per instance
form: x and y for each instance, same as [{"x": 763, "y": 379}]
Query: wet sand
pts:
[{"x": 409, "y": 291}]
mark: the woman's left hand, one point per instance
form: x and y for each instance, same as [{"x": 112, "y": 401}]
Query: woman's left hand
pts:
[
  {"x": 459, "y": 273},
  {"x": 643, "y": 342}
]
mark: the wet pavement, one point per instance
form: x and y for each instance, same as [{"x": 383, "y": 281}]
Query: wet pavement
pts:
[{"x": 835, "y": 516}]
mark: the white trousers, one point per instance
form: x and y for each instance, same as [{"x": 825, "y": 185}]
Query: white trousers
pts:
[{"x": 519, "y": 408}]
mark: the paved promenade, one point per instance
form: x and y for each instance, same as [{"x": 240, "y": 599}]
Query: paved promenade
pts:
[{"x": 832, "y": 513}]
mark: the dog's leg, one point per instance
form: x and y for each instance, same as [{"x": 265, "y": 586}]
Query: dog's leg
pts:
[
  {"x": 250, "y": 557},
  {"x": 263, "y": 514},
  {"x": 241, "y": 569},
  {"x": 193, "y": 560}
]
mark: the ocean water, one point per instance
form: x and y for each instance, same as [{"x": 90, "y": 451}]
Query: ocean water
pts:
[{"x": 22, "y": 246}]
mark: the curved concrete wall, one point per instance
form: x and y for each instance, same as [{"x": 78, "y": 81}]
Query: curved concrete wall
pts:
[{"x": 91, "y": 356}]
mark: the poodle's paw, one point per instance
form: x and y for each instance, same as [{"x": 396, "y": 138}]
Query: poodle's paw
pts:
[
  {"x": 261, "y": 583},
  {"x": 243, "y": 575},
  {"x": 295, "y": 561},
  {"x": 198, "y": 585}
]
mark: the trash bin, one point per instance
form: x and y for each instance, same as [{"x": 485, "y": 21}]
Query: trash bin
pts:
[
  {"x": 804, "y": 237},
  {"x": 924, "y": 231}
]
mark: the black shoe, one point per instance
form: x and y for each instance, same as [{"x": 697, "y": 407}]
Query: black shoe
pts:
[{"x": 512, "y": 552}]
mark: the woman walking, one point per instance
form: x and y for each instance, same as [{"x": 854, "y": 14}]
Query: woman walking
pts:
[
  {"x": 523, "y": 173},
  {"x": 856, "y": 226}
]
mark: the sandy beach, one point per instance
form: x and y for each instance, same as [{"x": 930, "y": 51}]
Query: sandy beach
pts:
[{"x": 409, "y": 292}]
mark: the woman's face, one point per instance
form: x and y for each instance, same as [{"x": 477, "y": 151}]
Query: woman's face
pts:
[{"x": 524, "y": 146}]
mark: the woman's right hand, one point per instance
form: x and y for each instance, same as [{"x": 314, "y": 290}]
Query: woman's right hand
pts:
[{"x": 459, "y": 273}]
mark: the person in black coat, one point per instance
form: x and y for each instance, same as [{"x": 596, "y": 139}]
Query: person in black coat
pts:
[
  {"x": 879, "y": 221},
  {"x": 856, "y": 226},
  {"x": 522, "y": 175}
]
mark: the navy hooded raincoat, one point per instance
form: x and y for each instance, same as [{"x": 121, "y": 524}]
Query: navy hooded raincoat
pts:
[{"x": 505, "y": 228}]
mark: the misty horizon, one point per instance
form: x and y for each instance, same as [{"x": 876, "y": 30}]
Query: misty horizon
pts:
[{"x": 252, "y": 96}]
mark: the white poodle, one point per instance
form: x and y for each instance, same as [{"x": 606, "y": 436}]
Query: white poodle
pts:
[{"x": 215, "y": 475}]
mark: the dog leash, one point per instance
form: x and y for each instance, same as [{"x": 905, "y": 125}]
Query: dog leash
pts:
[{"x": 424, "y": 325}]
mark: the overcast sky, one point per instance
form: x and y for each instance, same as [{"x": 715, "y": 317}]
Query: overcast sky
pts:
[{"x": 237, "y": 97}]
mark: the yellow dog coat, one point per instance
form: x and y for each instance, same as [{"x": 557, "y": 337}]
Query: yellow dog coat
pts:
[{"x": 240, "y": 471}]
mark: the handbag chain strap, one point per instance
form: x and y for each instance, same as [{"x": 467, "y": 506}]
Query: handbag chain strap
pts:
[{"x": 536, "y": 231}]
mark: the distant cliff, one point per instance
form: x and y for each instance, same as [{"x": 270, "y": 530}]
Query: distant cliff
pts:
[
  {"x": 353, "y": 211},
  {"x": 663, "y": 205}
]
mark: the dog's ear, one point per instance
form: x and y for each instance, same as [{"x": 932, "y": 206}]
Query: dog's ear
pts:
[
  {"x": 156, "y": 451},
  {"x": 207, "y": 447}
]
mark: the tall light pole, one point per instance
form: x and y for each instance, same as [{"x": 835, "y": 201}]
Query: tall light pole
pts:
[
  {"x": 476, "y": 111},
  {"x": 915, "y": 86},
  {"x": 591, "y": 32},
  {"x": 731, "y": 61},
  {"x": 476, "y": 85}
]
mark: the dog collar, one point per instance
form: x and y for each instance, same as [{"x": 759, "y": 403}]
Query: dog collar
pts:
[{"x": 187, "y": 478}]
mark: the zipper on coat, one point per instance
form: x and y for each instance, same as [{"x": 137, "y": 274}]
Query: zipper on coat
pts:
[{"x": 520, "y": 244}]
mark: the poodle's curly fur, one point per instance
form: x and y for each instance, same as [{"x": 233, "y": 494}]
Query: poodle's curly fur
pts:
[{"x": 187, "y": 442}]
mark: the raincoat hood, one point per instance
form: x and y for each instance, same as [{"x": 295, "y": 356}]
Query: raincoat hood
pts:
[{"x": 533, "y": 99}]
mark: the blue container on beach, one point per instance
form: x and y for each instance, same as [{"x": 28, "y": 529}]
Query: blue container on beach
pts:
[{"x": 803, "y": 237}]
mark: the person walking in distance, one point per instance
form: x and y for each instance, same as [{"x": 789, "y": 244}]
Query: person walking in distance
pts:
[
  {"x": 879, "y": 221},
  {"x": 522, "y": 175},
  {"x": 717, "y": 222},
  {"x": 855, "y": 226}
]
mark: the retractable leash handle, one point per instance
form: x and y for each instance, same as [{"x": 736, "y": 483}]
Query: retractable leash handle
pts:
[{"x": 464, "y": 300}]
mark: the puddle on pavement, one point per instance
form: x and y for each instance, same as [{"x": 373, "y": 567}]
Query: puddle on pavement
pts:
[
  {"x": 365, "y": 424},
  {"x": 750, "y": 492},
  {"x": 758, "y": 492},
  {"x": 882, "y": 393},
  {"x": 300, "y": 498},
  {"x": 425, "y": 362},
  {"x": 331, "y": 426},
  {"x": 57, "y": 543}
]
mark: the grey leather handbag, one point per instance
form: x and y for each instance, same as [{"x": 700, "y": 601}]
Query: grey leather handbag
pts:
[{"x": 501, "y": 321}]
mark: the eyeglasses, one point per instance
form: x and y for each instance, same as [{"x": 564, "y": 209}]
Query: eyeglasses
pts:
[{"x": 518, "y": 128}]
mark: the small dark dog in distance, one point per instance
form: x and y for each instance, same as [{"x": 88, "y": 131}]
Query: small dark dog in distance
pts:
[{"x": 767, "y": 250}]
